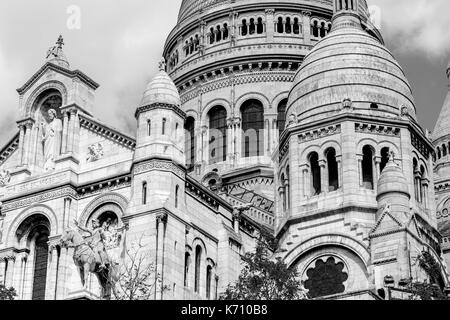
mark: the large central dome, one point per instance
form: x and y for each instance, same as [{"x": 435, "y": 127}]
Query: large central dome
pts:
[{"x": 349, "y": 64}]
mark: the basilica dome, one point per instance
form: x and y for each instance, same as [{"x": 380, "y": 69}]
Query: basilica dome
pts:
[{"x": 350, "y": 68}]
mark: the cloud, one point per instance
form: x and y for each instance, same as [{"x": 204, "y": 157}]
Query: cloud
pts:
[{"x": 416, "y": 25}]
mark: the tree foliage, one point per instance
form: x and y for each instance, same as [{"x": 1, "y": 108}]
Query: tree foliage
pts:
[
  {"x": 265, "y": 279},
  {"x": 138, "y": 278},
  {"x": 7, "y": 294}
]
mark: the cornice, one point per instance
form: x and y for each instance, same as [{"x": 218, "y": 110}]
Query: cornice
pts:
[{"x": 165, "y": 106}]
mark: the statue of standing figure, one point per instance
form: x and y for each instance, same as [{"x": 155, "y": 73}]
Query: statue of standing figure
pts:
[{"x": 51, "y": 139}]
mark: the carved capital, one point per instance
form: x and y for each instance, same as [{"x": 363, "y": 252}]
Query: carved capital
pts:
[
  {"x": 270, "y": 11},
  {"x": 162, "y": 217}
]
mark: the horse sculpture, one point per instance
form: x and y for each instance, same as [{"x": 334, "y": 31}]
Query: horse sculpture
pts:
[{"x": 87, "y": 262}]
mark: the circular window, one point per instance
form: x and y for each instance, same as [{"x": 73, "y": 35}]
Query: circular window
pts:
[
  {"x": 325, "y": 277},
  {"x": 445, "y": 213}
]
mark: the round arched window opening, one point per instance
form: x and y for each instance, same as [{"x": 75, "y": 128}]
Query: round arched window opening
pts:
[{"x": 326, "y": 277}]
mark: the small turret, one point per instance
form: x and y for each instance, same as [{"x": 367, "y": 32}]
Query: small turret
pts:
[
  {"x": 160, "y": 121},
  {"x": 393, "y": 190}
]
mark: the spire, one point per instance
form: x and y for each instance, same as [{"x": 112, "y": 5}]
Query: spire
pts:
[
  {"x": 442, "y": 128},
  {"x": 56, "y": 54}
]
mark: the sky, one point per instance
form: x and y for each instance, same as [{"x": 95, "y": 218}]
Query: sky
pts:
[{"x": 119, "y": 43}]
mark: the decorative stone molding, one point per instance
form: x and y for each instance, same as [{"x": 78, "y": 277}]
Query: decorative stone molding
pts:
[
  {"x": 41, "y": 197},
  {"x": 102, "y": 130},
  {"x": 9, "y": 149},
  {"x": 320, "y": 133},
  {"x": 118, "y": 200},
  {"x": 158, "y": 165},
  {"x": 377, "y": 129},
  {"x": 158, "y": 106},
  {"x": 162, "y": 216},
  {"x": 347, "y": 104}
]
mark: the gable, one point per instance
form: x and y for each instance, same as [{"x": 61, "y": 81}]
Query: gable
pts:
[{"x": 386, "y": 222}]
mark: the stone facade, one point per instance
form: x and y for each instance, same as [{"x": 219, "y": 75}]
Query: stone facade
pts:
[{"x": 257, "y": 105}]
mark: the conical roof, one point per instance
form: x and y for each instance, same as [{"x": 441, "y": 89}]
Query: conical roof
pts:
[
  {"x": 161, "y": 89},
  {"x": 442, "y": 128},
  {"x": 392, "y": 179}
]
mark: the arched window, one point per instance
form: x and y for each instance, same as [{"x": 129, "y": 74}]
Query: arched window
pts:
[
  {"x": 144, "y": 193},
  {"x": 244, "y": 29},
  {"x": 218, "y": 34},
  {"x": 315, "y": 29},
  {"x": 316, "y": 187},
  {"x": 177, "y": 194},
  {"x": 190, "y": 148},
  {"x": 296, "y": 26},
  {"x": 212, "y": 36},
  {"x": 322, "y": 30},
  {"x": 283, "y": 183},
  {"x": 384, "y": 158},
  {"x": 444, "y": 150},
  {"x": 40, "y": 263},
  {"x": 208, "y": 282},
  {"x": 187, "y": 262},
  {"x": 218, "y": 134},
  {"x": 417, "y": 176},
  {"x": 280, "y": 26},
  {"x": 439, "y": 153},
  {"x": 367, "y": 168},
  {"x": 288, "y": 187},
  {"x": 333, "y": 171},
  {"x": 423, "y": 187},
  {"x": 196, "y": 42},
  {"x": 149, "y": 127},
  {"x": 164, "y": 121},
  {"x": 253, "y": 128},
  {"x": 225, "y": 31},
  {"x": 281, "y": 119},
  {"x": 198, "y": 260},
  {"x": 252, "y": 27},
  {"x": 260, "y": 26},
  {"x": 288, "y": 25}
]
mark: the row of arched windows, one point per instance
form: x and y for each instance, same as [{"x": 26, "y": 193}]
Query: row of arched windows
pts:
[
  {"x": 191, "y": 45},
  {"x": 252, "y": 127},
  {"x": 174, "y": 59},
  {"x": 218, "y": 33},
  {"x": 442, "y": 151},
  {"x": 288, "y": 25},
  {"x": 320, "y": 29},
  {"x": 252, "y": 26},
  {"x": 198, "y": 258},
  {"x": 316, "y": 172},
  {"x": 345, "y": 5}
]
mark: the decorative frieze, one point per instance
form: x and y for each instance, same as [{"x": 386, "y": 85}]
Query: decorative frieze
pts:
[
  {"x": 377, "y": 129},
  {"x": 158, "y": 165},
  {"x": 319, "y": 134},
  {"x": 95, "y": 152},
  {"x": 5, "y": 178}
]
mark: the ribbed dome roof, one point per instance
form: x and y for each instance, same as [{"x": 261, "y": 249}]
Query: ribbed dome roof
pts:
[
  {"x": 161, "y": 90},
  {"x": 392, "y": 180},
  {"x": 349, "y": 64},
  {"x": 442, "y": 128}
]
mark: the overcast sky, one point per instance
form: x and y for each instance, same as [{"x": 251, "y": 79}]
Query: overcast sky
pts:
[{"x": 121, "y": 41}]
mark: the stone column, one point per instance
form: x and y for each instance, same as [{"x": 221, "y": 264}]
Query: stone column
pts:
[
  {"x": 323, "y": 176},
  {"x": 19, "y": 267},
  {"x": 161, "y": 224},
  {"x": 341, "y": 175},
  {"x": 376, "y": 171},
  {"x": 270, "y": 25},
  {"x": 360, "y": 170},
  {"x": 425, "y": 183},
  {"x": 205, "y": 144},
  {"x": 2, "y": 270},
  {"x": 266, "y": 137},
  {"x": 66, "y": 219},
  {"x": 307, "y": 26},
  {"x": 52, "y": 273},
  {"x": 21, "y": 143},
  {"x": 238, "y": 133},
  {"x": 27, "y": 142},
  {"x": 61, "y": 276},
  {"x": 65, "y": 132},
  {"x": 71, "y": 132},
  {"x": 11, "y": 260},
  {"x": 230, "y": 149}
]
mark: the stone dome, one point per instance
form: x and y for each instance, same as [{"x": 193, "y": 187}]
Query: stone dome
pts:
[
  {"x": 392, "y": 180},
  {"x": 161, "y": 89},
  {"x": 349, "y": 64},
  {"x": 55, "y": 54}
]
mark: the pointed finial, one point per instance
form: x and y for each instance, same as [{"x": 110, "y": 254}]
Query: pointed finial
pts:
[
  {"x": 162, "y": 65},
  {"x": 60, "y": 42}
]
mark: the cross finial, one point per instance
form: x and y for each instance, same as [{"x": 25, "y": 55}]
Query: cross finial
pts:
[
  {"x": 60, "y": 42},
  {"x": 162, "y": 65}
]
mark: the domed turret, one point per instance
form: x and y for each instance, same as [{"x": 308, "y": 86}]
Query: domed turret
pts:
[
  {"x": 56, "y": 54},
  {"x": 442, "y": 129},
  {"x": 160, "y": 121},
  {"x": 161, "y": 90},
  {"x": 349, "y": 64},
  {"x": 393, "y": 190}
]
